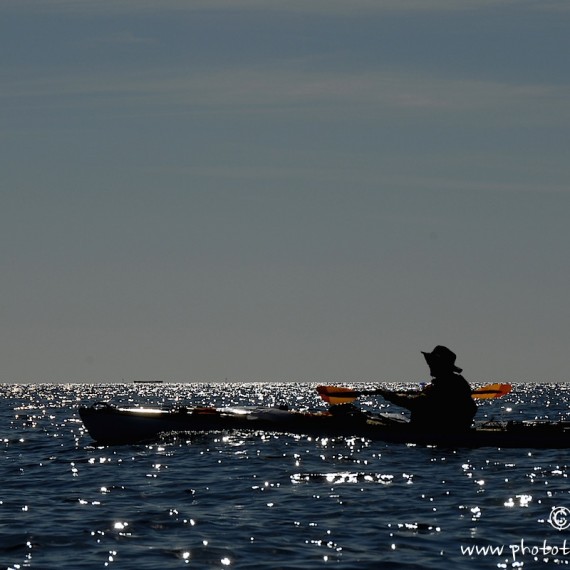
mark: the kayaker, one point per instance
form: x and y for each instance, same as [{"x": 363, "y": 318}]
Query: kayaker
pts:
[{"x": 444, "y": 404}]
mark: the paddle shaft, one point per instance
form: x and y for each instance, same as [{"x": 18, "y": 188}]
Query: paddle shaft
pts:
[{"x": 358, "y": 393}]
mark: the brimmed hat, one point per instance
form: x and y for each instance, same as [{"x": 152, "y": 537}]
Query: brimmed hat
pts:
[{"x": 442, "y": 355}]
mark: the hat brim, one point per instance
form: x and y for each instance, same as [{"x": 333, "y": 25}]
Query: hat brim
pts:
[{"x": 429, "y": 356}]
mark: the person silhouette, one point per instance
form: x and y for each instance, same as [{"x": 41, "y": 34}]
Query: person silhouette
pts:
[{"x": 443, "y": 405}]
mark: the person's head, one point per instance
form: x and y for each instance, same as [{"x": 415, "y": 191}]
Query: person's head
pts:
[{"x": 441, "y": 360}]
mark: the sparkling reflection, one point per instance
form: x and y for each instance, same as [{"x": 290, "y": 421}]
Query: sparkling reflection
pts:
[{"x": 248, "y": 500}]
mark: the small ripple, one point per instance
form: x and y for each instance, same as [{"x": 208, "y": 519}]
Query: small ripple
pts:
[{"x": 342, "y": 478}]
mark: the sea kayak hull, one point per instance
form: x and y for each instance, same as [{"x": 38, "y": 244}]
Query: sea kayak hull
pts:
[{"x": 110, "y": 425}]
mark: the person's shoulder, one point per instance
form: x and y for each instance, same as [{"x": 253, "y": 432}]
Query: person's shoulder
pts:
[
  {"x": 462, "y": 384},
  {"x": 461, "y": 379}
]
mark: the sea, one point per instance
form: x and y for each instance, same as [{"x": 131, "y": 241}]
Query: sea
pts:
[{"x": 271, "y": 501}]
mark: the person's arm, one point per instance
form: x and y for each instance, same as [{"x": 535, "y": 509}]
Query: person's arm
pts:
[{"x": 408, "y": 401}]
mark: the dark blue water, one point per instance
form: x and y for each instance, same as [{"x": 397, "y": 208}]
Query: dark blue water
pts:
[{"x": 269, "y": 501}]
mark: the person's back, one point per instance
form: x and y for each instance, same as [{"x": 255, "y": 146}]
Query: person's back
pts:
[{"x": 446, "y": 404}]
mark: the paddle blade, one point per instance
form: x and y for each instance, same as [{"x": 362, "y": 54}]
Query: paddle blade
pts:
[
  {"x": 336, "y": 394},
  {"x": 492, "y": 391}
]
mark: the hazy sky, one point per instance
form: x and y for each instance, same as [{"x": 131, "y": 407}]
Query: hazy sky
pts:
[{"x": 275, "y": 190}]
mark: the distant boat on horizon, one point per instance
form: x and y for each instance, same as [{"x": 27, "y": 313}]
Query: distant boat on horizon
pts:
[{"x": 148, "y": 381}]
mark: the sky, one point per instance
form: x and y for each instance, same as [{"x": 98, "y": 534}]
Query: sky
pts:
[{"x": 309, "y": 191}]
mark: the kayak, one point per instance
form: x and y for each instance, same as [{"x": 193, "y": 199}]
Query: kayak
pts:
[{"x": 109, "y": 425}]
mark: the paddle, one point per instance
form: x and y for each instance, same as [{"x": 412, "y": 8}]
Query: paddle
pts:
[
  {"x": 340, "y": 395},
  {"x": 491, "y": 391}
]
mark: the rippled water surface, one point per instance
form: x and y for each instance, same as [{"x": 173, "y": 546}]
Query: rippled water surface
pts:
[{"x": 270, "y": 501}]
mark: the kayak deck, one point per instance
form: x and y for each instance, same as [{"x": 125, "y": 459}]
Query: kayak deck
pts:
[{"x": 107, "y": 424}]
